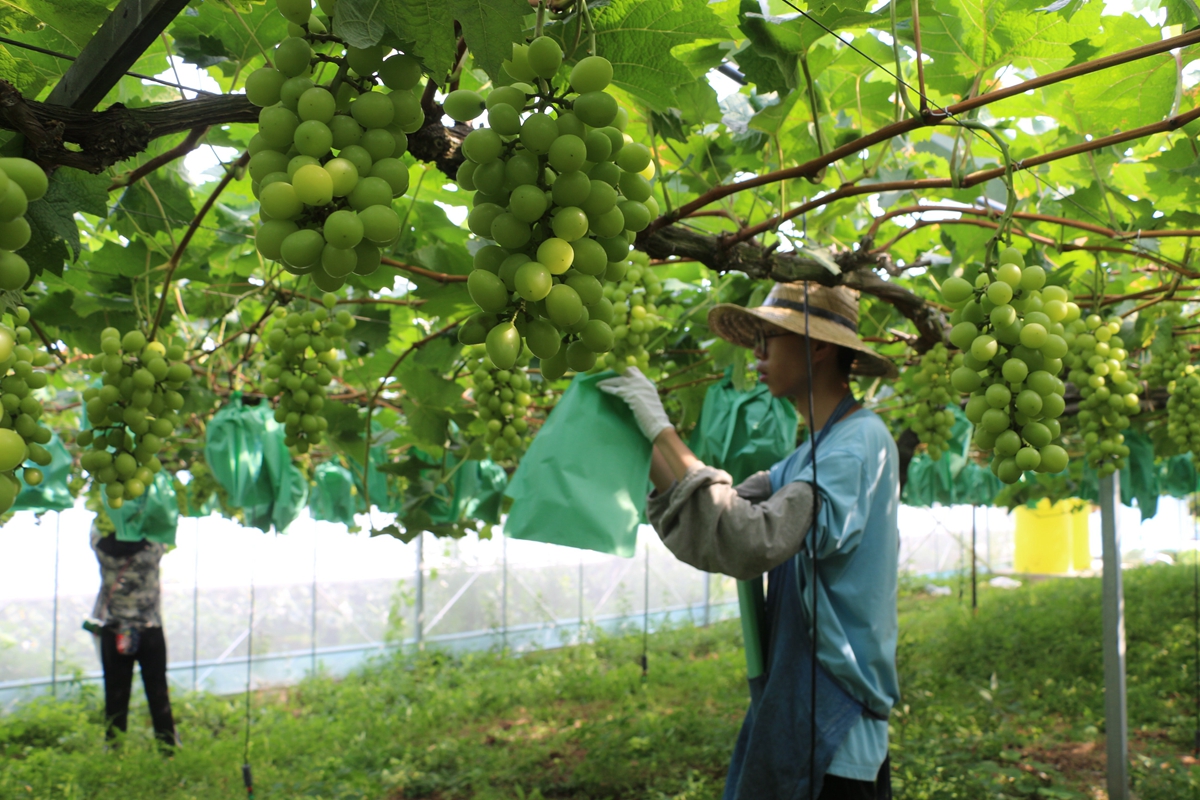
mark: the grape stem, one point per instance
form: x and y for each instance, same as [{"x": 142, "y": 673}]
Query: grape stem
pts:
[
  {"x": 1010, "y": 205},
  {"x": 46, "y": 340},
  {"x": 189, "y": 143},
  {"x": 340, "y": 77},
  {"x": 326, "y": 38},
  {"x": 173, "y": 262},
  {"x": 716, "y": 376},
  {"x": 543, "y": 86},
  {"x": 1100, "y": 281},
  {"x": 591, "y": 28},
  {"x": 441, "y": 277},
  {"x": 578, "y": 28}
]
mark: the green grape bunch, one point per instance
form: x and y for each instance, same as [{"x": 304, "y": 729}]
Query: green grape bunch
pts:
[
  {"x": 1183, "y": 423},
  {"x": 1169, "y": 354},
  {"x": 325, "y": 164},
  {"x": 931, "y": 387},
  {"x": 132, "y": 413},
  {"x": 1010, "y": 327},
  {"x": 635, "y": 313},
  {"x": 21, "y": 436},
  {"x": 1170, "y": 367},
  {"x": 502, "y": 398},
  {"x": 560, "y": 194},
  {"x": 21, "y": 182},
  {"x": 1108, "y": 393},
  {"x": 304, "y": 360}
]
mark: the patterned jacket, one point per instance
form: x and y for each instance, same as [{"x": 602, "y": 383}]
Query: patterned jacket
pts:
[{"x": 129, "y": 586}]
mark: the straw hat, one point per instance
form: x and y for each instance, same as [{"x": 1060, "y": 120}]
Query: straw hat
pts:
[{"x": 832, "y": 317}]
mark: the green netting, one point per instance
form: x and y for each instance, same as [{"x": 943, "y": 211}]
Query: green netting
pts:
[
  {"x": 334, "y": 496},
  {"x": 52, "y": 494},
  {"x": 743, "y": 432},
  {"x": 152, "y": 516},
  {"x": 245, "y": 450},
  {"x": 583, "y": 481}
]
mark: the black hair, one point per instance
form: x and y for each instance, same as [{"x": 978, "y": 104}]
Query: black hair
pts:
[{"x": 845, "y": 360}]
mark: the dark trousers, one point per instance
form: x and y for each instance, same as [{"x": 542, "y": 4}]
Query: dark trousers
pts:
[
  {"x": 118, "y": 683},
  {"x": 838, "y": 788}
]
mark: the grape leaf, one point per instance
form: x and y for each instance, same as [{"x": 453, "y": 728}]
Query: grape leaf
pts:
[
  {"x": 217, "y": 32},
  {"x": 969, "y": 39},
  {"x": 359, "y": 22},
  {"x": 55, "y": 233},
  {"x": 490, "y": 27},
  {"x": 74, "y": 20},
  {"x": 779, "y": 36},
  {"x": 158, "y": 203},
  {"x": 762, "y": 70},
  {"x": 429, "y": 401},
  {"x": 1126, "y": 95},
  {"x": 429, "y": 26},
  {"x": 637, "y": 37},
  {"x": 114, "y": 258}
]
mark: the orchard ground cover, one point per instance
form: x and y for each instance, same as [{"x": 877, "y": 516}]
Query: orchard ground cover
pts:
[{"x": 1005, "y": 705}]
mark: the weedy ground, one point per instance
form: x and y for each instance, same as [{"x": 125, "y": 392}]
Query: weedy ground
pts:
[{"x": 1007, "y": 703}]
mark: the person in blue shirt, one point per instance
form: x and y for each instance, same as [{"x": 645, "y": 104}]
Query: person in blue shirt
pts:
[{"x": 825, "y": 533}]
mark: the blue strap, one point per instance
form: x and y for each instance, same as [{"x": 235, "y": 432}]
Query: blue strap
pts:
[{"x": 848, "y": 402}]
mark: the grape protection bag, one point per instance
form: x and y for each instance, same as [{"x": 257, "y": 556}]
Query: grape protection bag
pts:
[
  {"x": 334, "y": 497},
  {"x": 52, "y": 494},
  {"x": 153, "y": 516},
  {"x": 743, "y": 432},
  {"x": 246, "y": 451},
  {"x": 583, "y": 481}
]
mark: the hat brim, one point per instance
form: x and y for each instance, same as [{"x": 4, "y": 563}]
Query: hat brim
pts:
[{"x": 740, "y": 326}]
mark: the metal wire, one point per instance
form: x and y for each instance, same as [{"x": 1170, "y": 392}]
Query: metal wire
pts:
[
  {"x": 812, "y": 533},
  {"x": 65, "y": 57},
  {"x": 646, "y": 616},
  {"x": 1196, "y": 623},
  {"x": 943, "y": 110},
  {"x": 246, "y": 774}
]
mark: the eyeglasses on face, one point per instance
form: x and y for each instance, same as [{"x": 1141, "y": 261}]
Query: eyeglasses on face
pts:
[{"x": 763, "y": 334}]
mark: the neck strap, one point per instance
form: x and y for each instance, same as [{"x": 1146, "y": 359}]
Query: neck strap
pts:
[{"x": 843, "y": 407}]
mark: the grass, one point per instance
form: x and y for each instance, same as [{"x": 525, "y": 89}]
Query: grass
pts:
[{"x": 1008, "y": 704}]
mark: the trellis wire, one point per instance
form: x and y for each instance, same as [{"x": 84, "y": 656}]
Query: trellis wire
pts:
[
  {"x": 54, "y": 623},
  {"x": 920, "y": 94}
]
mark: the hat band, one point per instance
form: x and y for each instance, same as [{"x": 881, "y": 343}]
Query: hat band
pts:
[{"x": 805, "y": 308}]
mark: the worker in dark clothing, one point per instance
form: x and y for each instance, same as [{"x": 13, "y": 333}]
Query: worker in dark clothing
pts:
[{"x": 128, "y": 609}]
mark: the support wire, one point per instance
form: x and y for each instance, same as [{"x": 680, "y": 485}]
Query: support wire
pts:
[
  {"x": 247, "y": 775},
  {"x": 812, "y": 533},
  {"x": 54, "y": 624},
  {"x": 646, "y": 615}
]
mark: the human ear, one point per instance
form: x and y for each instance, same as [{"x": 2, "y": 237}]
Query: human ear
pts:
[{"x": 823, "y": 351}]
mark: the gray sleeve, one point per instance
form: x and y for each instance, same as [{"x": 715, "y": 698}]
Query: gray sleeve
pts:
[{"x": 741, "y": 532}]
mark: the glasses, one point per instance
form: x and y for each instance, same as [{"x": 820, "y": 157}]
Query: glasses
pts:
[{"x": 762, "y": 335}]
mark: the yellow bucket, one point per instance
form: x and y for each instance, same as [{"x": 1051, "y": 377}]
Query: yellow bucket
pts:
[{"x": 1052, "y": 539}]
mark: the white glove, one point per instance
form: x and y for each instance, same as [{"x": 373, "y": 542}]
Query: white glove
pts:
[{"x": 642, "y": 396}]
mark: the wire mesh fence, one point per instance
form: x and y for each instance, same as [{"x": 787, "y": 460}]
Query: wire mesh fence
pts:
[{"x": 320, "y": 597}]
